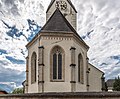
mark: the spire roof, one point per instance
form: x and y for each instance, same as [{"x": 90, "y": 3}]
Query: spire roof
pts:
[{"x": 58, "y": 23}]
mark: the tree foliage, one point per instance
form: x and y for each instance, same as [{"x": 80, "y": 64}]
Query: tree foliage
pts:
[
  {"x": 116, "y": 84},
  {"x": 106, "y": 87},
  {"x": 17, "y": 91}
]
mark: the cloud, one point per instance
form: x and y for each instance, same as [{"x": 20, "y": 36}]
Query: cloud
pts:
[
  {"x": 10, "y": 7},
  {"x": 8, "y": 2},
  {"x": 11, "y": 75},
  {"x": 102, "y": 18},
  {"x": 14, "y": 10},
  {"x": 12, "y": 56},
  {"x": 10, "y": 78},
  {"x": 0, "y": 5},
  {"x": 22, "y": 1},
  {"x": 114, "y": 72},
  {"x": 15, "y": 61}
]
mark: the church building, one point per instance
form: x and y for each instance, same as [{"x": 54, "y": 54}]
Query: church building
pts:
[{"x": 57, "y": 56}]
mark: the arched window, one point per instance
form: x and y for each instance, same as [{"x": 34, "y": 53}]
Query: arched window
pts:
[
  {"x": 33, "y": 67},
  {"x": 80, "y": 69},
  {"x": 57, "y": 64}
]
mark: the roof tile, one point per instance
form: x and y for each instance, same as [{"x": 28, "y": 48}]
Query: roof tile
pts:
[{"x": 58, "y": 22}]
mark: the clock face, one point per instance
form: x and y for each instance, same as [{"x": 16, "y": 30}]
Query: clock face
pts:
[{"x": 61, "y": 5}]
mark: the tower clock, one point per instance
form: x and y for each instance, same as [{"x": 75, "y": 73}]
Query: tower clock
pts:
[{"x": 62, "y": 5}]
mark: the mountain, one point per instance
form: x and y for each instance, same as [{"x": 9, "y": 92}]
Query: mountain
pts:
[{"x": 20, "y": 21}]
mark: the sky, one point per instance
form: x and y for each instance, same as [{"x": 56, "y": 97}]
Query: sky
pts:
[{"x": 98, "y": 25}]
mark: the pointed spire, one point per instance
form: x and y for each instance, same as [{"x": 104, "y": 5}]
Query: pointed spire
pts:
[{"x": 58, "y": 22}]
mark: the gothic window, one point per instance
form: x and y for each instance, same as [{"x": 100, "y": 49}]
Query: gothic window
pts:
[
  {"x": 33, "y": 67},
  {"x": 57, "y": 64},
  {"x": 80, "y": 69}
]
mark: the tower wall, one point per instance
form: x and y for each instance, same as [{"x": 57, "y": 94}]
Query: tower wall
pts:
[{"x": 69, "y": 14}]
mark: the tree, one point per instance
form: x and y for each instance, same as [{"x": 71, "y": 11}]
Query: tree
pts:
[
  {"x": 106, "y": 87},
  {"x": 116, "y": 84},
  {"x": 17, "y": 91}
]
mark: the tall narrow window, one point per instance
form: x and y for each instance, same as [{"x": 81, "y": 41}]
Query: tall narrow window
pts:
[
  {"x": 79, "y": 56},
  {"x": 80, "y": 69},
  {"x": 57, "y": 64},
  {"x": 33, "y": 67}
]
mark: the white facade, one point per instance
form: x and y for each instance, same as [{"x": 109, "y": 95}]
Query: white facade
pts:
[
  {"x": 95, "y": 79},
  {"x": 72, "y": 71},
  {"x": 66, "y": 43}
]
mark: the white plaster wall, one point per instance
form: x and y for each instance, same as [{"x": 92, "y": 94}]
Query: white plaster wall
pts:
[
  {"x": 48, "y": 44},
  {"x": 79, "y": 49},
  {"x": 66, "y": 44},
  {"x": 32, "y": 87},
  {"x": 57, "y": 87},
  {"x": 95, "y": 79}
]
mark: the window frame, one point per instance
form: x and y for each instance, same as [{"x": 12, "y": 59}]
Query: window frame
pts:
[
  {"x": 60, "y": 51},
  {"x": 80, "y": 69},
  {"x": 33, "y": 71}
]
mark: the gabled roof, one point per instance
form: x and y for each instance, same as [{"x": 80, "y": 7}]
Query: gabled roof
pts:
[
  {"x": 95, "y": 68},
  {"x": 57, "y": 23},
  {"x": 69, "y": 1},
  {"x": 3, "y": 91}
]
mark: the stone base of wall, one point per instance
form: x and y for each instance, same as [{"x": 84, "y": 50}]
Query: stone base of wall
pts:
[{"x": 65, "y": 95}]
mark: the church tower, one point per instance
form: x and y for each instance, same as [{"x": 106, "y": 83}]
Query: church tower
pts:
[
  {"x": 57, "y": 56},
  {"x": 67, "y": 9}
]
